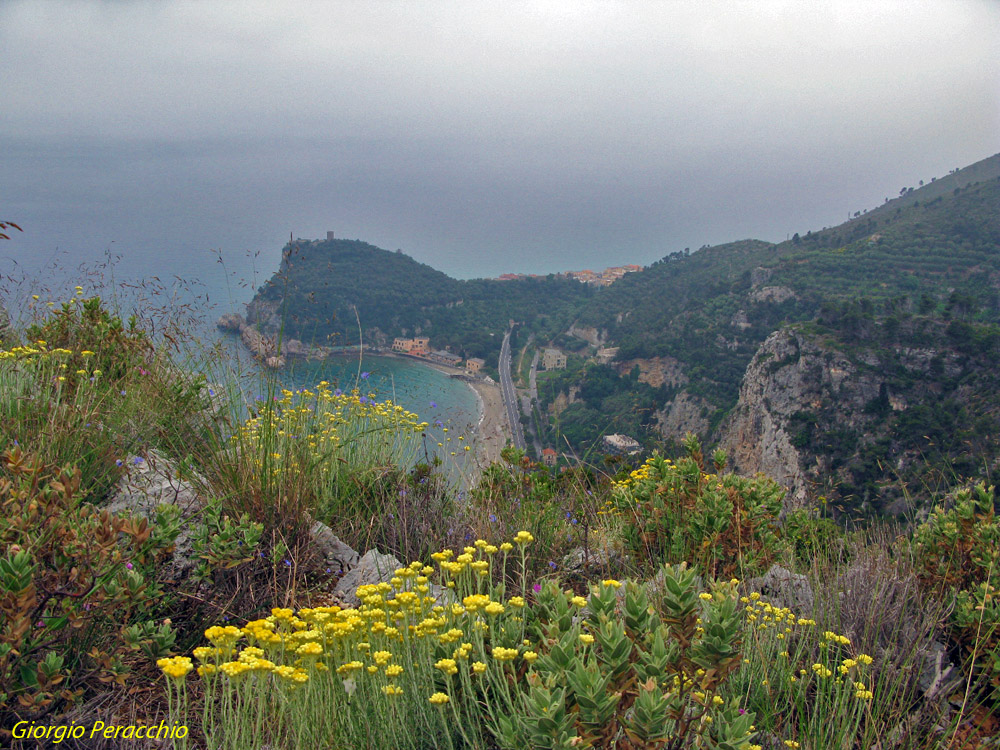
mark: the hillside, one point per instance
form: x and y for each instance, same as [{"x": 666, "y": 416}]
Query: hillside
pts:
[
  {"x": 326, "y": 291},
  {"x": 688, "y": 327}
]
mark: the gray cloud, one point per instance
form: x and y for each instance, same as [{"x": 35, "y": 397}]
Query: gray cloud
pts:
[{"x": 480, "y": 138}]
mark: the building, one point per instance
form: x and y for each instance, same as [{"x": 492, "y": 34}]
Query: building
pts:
[
  {"x": 549, "y": 457},
  {"x": 329, "y": 236},
  {"x": 474, "y": 364},
  {"x": 553, "y": 359},
  {"x": 418, "y": 346},
  {"x": 445, "y": 358},
  {"x": 619, "y": 445}
]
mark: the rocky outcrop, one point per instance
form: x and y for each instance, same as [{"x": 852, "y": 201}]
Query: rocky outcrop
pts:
[
  {"x": 265, "y": 347},
  {"x": 790, "y": 373},
  {"x": 593, "y": 336},
  {"x": 684, "y": 414},
  {"x": 152, "y": 481},
  {"x": 655, "y": 371}
]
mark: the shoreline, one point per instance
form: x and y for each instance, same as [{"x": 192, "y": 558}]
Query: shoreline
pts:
[{"x": 492, "y": 430}]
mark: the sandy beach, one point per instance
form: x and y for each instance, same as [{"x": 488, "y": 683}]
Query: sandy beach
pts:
[{"x": 492, "y": 430}]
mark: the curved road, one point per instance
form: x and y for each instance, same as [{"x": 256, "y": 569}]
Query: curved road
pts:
[{"x": 510, "y": 395}]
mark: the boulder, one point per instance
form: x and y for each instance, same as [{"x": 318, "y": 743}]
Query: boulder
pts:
[
  {"x": 336, "y": 554},
  {"x": 373, "y": 567},
  {"x": 784, "y": 588},
  {"x": 152, "y": 481}
]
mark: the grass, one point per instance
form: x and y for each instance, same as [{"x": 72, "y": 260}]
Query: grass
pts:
[{"x": 491, "y": 640}]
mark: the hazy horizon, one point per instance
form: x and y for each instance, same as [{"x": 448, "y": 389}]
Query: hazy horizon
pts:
[{"x": 529, "y": 137}]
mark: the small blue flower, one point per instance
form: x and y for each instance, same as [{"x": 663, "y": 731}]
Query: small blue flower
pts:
[
  {"x": 434, "y": 405},
  {"x": 287, "y": 563},
  {"x": 118, "y": 462},
  {"x": 337, "y": 392},
  {"x": 574, "y": 522},
  {"x": 211, "y": 392},
  {"x": 493, "y": 518},
  {"x": 362, "y": 400},
  {"x": 552, "y": 565},
  {"x": 137, "y": 460},
  {"x": 123, "y": 393}
]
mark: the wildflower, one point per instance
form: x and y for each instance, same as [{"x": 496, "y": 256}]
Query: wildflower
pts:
[
  {"x": 175, "y": 668},
  {"x": 586, "y": 639},
  {"x": 478, "y": 667},
  {"x": 439, "y": 699},
  {"x": 504, "y": 654},
  {"x": 612, "y": 583},
  {"x": 529, "y": 656},
  {"x": 704, "y": 596},
  {"x": 391, "y": 690},
  {"x": 523, "y": 537},
  {"x": 578, "y": 601}
]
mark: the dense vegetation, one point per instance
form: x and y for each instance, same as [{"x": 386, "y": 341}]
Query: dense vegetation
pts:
[
  {"x": 579, "y": 610},
  {"x": 932, "y": 254}
]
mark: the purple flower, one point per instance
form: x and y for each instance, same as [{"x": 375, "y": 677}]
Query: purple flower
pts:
[
  {"x": 118, "y": 462},
  {"x": 123, "y": 393},
  {"x": 537, "y": 587},
  {"x": 364, "y": 375},
  {"x": 128, "y": 566},
  {"x": 137, "y": 460},
  {"x": 552, "y": 565},
  {"x": 337, "y": 392},
  {"x": 211, "y": 392},
  {"x": 287, "y": 563},
  {"x": 493, "y": 518},
  {"x": 434, "y": 405}
]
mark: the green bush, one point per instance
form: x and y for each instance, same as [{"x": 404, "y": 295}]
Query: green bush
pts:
[{"x": 722, "y": 523}]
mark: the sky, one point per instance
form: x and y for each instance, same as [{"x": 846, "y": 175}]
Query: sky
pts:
[{"x": 478, "y": 137}]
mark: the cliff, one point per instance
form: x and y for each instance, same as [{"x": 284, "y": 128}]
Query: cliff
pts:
[{"x": 871, "y": 424}]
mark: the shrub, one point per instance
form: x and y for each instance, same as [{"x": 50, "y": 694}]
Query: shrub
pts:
[
  {"x": 957, "y": 554},
  {"x": 78, "y": 588},
  {"x": 723, "y": 524}
]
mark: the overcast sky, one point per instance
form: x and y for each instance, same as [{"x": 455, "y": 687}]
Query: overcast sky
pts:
[{"x": 478, "y": 137}]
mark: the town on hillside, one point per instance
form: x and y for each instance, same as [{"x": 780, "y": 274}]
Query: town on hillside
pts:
[{"x": 596, "y": 278}]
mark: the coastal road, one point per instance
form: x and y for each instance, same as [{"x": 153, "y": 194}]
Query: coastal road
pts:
[{"x": 510, "y": 395}]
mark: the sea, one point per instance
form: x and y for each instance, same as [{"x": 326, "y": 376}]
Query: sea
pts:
[{"x": 190, "y": 290}]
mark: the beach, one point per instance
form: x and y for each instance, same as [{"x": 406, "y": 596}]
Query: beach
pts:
[{"x": 492, "y": 430}]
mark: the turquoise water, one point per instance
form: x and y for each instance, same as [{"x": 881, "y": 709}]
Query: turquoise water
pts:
[{"x": 198, "y": 287}]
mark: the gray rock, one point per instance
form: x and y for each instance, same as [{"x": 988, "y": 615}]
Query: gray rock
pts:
[
  {"x": 337, "y": 555},
  {"x": 373, "y": 567},
  {"x": 936, "y": 672},
  {"x": 579, "y": 560},
  {"x": 151, "y": 482},
  {"x": 784, "y": 588}
]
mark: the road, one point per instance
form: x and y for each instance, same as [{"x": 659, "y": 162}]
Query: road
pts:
[
  {"x": 532, "y": 398},
  {"x": 510, "y": 395}
]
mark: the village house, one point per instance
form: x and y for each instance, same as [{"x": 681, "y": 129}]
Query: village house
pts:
[
  {"x": 549, "y": 456},
  {"x": 553, "y": 359},
  {"x": 474, "y": 364},
  {"x": 445, "y": 358},
  {"x": 418, "y": 346}
]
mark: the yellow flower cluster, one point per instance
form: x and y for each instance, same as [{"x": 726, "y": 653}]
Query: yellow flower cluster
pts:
[
  {"x": 176, "y": 668},
  {"x": 309, "y": 425},
  {"x": 398, "y": 627},
  {"x": 783, "y": 625}
]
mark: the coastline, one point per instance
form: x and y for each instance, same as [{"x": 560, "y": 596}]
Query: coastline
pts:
[{"x": 492, "y": 430}]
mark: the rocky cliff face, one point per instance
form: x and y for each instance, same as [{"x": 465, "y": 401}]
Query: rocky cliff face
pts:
[
  {"x": 866, "y": 424},
  {"x": 790, "y": 373}
]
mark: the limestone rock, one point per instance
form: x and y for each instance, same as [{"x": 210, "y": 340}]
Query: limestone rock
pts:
[
  {"x": 784, "y": 588},
  {"x": 153, "y": 481},
  {"x": 373, "y": 567},
  {"x": 337, "y": 555}
]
